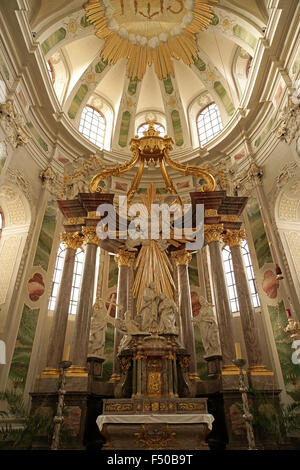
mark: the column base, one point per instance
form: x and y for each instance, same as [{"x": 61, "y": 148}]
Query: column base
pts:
[
  {"x": 115, "y": 378},
  {"x": 261, "y": 378},
  {"x": 49, "y": 373},
  {"x": 260, "y": 370},
  {"x": 230, "y": 369},
  {"x": 77, "y": 371},
  {"x": 230, "y": 377}
]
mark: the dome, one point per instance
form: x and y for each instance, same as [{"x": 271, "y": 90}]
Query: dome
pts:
[{"x": 161, "y": 61}]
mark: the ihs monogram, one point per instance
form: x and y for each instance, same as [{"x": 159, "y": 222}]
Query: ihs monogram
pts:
[{"x": 150, "y": 11}]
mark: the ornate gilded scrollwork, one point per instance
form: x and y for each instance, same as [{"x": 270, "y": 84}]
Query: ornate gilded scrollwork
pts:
[
  {"x": 116, "y": 170},
  {"x": 154, "y": 437},
  {"x": 152, "y": 148},
  {"x": 194, "y": 171},
  {"x": 81, "y": 172}
]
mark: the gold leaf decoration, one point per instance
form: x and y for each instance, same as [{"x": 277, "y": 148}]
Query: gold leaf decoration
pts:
[{"x": 149, "y": 32}]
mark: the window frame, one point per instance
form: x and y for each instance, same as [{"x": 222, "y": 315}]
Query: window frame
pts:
[
  {"x": 251, "y": 280},
  {"x": 220, "y": 124},
  {"x": 91, "y": 124},
  {"x": 73, "y": 304},
  {"x": 51, "y": 71}
]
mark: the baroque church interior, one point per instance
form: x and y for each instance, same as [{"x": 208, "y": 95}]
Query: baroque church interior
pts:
[{"x": 116, "y": 114}]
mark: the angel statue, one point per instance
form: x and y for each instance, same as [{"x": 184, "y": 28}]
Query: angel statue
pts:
[{"x": 208, "y": 328}]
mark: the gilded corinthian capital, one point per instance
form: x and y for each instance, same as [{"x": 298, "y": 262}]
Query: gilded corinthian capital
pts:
[
  {"x": 234, "y": 237},
  {"x": 90, "y": 235},
  {"x": 124, "y": 258},
  {"x": 181, "y": 257},
  {"x": 72, "y": 240},
  {"x": 213, "y": 233}
]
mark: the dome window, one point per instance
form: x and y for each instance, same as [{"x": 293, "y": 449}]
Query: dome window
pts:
[
  {"x": 92, "y": 125},
  {"x": 51, "y": 71},
  {"x": 209, "y": 123}
]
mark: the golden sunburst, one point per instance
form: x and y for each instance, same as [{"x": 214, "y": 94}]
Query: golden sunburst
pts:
[{"x": 149, "y": 32}]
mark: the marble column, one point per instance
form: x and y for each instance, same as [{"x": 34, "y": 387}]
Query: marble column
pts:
[
  {"x": 79, "y": 350},
  {"x": 213, "y": 236},
  {"x": 72, "y": 241},
  {"x": 182, "y": 259},
  {"x": 233, "y": 239},
  {"x": 124, "y": 261}
]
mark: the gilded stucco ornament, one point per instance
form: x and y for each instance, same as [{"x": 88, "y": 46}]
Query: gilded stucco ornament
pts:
[
  {"x": 90, "y": 235},
  {"x": 181, "y": 257},
  {"x": 152, "y": 148},
  {"x": 72, "y": 240},
  {"x": 234, "y": 237},
  {"x": 133, "y": 30},
  {"x": 213, "y": 233}
]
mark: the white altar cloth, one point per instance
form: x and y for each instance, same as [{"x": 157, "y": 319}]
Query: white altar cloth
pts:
[{"x": 156, "y": 418}]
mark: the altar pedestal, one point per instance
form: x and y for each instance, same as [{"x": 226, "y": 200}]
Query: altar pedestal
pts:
[{"x": 155, "y": 431}]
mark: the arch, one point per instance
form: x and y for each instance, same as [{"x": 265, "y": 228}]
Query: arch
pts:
[
  {"x": 17, "y": 216},
  {"x": 287, "y": 217}
]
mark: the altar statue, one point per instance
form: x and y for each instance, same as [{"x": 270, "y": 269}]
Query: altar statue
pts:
[
  {"x": 208, "y": 328},
  {"x": 149, "y": 309},
  {"x": 127, "y": 327},
  {"x": 99, "y": 322},
  {"x": 167, "y": 315}
]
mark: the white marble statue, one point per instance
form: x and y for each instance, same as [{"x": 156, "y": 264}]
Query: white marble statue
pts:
[
  {"x": 208, "y": 328},
  {"x": 167, "y": 315},
  {"x": 99, "y": 322},
  {"x": 149, "y": 308}
]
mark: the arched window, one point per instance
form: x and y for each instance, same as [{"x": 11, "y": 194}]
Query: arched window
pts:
[
  {"x": 51, "y": 71},
  {"x": 230, "y": 278},
  {"x": 209, "y": 123},
  {"x": 250, "y": 274},
  {"x": 144, "y": 127},
  {"x": 57, "y": 276},
  {"x": 92, "y": 125},
  {"x": 76, "y": 281}
]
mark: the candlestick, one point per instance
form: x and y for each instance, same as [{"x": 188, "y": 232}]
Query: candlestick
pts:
[
  {"x": 238, "y": 353},
  {"x": 248, "y": 418},
  {"x": 67, "y": 352}
]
